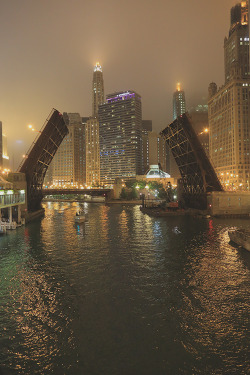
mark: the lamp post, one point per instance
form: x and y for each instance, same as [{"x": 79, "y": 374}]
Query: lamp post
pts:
[{"x": 32, "y": 129}]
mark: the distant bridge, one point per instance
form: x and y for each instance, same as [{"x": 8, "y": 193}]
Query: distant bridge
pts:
[
  {"x": 92, "y": 192},
  {"x": 40, "y": 155},
  {"x": 197, "y": 173}
]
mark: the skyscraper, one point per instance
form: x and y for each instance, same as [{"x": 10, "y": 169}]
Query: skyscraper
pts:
[
  {"x": 97, "y": 89},
  {"x": 236, "y": 46},
  {"x": 179, "y": 102},
  {"x": 1, "y": 145},
  {"x": 179, "y": 107},
  {"x": 153, "y": 147},
  {"x": 92, "y": 129},
  {"x": 67, "y": 167},
  {"x": 92, "y": 152},
  {"x": 120, "y": 136},
  {"x": 229, "y": 107},
  {"x": 146, "y": 129}
]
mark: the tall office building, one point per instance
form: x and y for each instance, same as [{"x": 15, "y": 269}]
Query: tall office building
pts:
[
  {"x": 146, "y": 129},
  {"x": 92, "y": 129},
  {"x": 97, "y": 89},
  {"x": 236, "y": 46},
  {"x": 1, "y": 144},
  {"x": 5, "y": 157},
  {"x": 153, "y": 147},
  {"x": 67, "y": 167},
  {"x": 229, "y": 107},
  {"x": 179, "y": 102},
  {"x": 92, "y": 152},
  {"x": 120, "y": 136},
  {"x": 179, "y": 107}
]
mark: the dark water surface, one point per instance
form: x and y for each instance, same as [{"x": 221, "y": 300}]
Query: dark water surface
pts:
[{"x": 123, "y": 294}]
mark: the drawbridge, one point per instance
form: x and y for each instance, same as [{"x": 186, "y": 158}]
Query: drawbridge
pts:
[
  {"x": 198, "y": 176},
  {"x": 40, "y": 155}
]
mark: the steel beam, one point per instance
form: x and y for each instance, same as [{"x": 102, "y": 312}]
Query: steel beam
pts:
[
  {"x": 198, "y": 176},
  {"x": 40, "y": 155}
]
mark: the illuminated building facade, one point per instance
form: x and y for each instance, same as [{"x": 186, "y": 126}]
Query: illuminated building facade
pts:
[
  {"x": 146, "y": 129},
  {"x": 4, "y": 158},
  {"x": 1, "y": 144},
  {"x": 229, "y": 107},
  {"x": 92, "y": 129},
  {"x": 97, "y": 89},
  {"x": 236, "y": 46},
  {"x": 179, "y": 107},
  {"x": 92, "y": 152},
  {"x": 67, "y": 167},
  {"x": 153, "y": 149},
  {"x": 120, "y": 137},
  {"x": 179, "y": 102}
]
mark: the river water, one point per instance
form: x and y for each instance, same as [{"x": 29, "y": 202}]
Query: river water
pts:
[{"x": 123, "y": 293}]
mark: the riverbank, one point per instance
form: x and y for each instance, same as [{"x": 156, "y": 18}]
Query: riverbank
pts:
[
  {"x": 120, "y": 201},
  {"x": 113, "y": 201},
  {"x": 159, "y": 212}
]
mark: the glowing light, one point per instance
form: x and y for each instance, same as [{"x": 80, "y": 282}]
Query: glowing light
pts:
[
  {"x": 97, "y": 67},
  {"x": 32, "y": 129},
  {"x": 178, "y": 86}
]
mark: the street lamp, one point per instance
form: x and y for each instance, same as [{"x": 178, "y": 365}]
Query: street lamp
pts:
[
  {"x": 32, "y": 129},
  {"x": 206, "y": 130}
]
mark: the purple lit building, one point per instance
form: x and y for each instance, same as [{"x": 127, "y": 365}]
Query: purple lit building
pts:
[{"x": 120, "y": 121}]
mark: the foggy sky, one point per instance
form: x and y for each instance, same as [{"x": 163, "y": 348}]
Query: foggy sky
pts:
[{"x": 49, "y": 47}]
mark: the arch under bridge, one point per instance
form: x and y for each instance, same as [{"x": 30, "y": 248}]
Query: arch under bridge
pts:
[{"x": 198, "y": 177}]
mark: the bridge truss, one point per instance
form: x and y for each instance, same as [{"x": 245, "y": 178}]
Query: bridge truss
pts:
[
  {"x": 198, "y": 176},
  {"x": 40, "y": 155}
]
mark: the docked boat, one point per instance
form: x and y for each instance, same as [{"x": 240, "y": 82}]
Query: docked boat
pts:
[
  {"x": 240, "y": 237},
  {"x": 80, "y": 217}
]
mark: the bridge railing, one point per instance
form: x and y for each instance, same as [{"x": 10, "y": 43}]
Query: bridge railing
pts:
[{"x": 11, "y": 198}]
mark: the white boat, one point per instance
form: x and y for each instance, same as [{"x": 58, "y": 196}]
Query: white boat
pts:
[
  {"x": 241, "y": 237},
  {"x": 80, "y": 217}
]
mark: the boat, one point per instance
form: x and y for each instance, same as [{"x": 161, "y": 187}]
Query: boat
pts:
[
  {"x": 240, "y": 237},
  {"x": 80, "y": 217}
]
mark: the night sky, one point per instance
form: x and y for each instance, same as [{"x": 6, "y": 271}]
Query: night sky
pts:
[{"x": 49, "y": 47}]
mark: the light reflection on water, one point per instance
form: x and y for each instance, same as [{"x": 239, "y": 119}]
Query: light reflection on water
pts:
[{"x": 123, "y": 293}]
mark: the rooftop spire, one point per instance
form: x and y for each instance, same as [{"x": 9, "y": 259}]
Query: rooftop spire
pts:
[{"x": 97, "y": 67}]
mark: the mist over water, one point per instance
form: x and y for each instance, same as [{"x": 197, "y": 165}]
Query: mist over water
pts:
[{"x": 123, "y": 293}]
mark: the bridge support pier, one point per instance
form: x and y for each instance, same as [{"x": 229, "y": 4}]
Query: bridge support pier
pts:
[
  {"x": 18, "y": 215},
  {"x": 10, "y": 215}
]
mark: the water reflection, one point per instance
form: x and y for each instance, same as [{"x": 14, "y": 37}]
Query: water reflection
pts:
[{"x": 122, "y": 293}]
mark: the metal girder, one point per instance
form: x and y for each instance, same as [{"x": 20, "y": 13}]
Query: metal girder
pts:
[
  {"x": 198, "y": 174},
  {"x": 40, "y": 155}
]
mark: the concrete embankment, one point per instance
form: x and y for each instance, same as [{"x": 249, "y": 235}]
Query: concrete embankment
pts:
[{"x": 158, "y": 212}]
